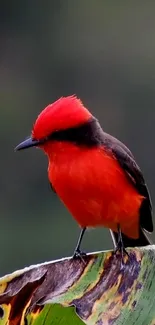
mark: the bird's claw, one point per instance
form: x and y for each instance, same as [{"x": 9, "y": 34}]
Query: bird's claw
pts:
[
  {"x": 123, "y": 252},
  {"x": 79, "y": 254}
]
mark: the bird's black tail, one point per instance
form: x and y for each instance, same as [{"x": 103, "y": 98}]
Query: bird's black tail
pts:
[{"x": 143, "y": 239}]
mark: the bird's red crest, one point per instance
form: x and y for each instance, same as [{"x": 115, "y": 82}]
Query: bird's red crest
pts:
[{"x": 64, "y": 113}]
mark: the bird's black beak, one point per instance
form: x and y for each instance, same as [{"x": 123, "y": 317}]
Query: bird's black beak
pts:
[{"x": 28, "y": 143}]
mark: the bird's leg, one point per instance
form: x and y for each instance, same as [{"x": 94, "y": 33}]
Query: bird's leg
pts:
[
  {"x": 77, "y": 251},
  {"x": 120, "y": 245}
]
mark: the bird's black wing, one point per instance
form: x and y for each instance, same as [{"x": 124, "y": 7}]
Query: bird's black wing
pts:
[{"x": 128, "y": 163}]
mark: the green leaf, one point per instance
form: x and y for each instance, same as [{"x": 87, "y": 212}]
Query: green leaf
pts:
[
  {"x": 95, "y": 290},
  {"x": 54, "y": 314}
]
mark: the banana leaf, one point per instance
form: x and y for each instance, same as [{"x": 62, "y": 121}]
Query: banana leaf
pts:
[{"x": 99, "y": 289}]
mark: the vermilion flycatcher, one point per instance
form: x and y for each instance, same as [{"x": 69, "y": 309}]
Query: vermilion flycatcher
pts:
[{"x": 93, "y": 173}]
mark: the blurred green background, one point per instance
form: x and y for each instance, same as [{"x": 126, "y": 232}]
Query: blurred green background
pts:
[{"x": 103, "y": 51}]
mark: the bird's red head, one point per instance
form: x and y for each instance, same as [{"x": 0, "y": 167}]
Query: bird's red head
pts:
[{"x": 66, "y": 112}]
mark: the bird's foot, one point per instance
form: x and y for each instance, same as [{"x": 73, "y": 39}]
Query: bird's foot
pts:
[
  {"x": 120, "y": 249},
  {"x": 79, "y": 254}
]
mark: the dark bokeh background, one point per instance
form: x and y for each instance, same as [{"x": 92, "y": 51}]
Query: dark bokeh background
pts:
[{"x": 103, "y": 51}]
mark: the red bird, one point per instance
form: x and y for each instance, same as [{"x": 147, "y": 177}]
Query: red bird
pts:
[{"x": 94, "y": 174}]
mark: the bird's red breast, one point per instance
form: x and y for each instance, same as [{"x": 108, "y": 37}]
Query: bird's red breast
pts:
[{"x": 94, "y": 187}]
